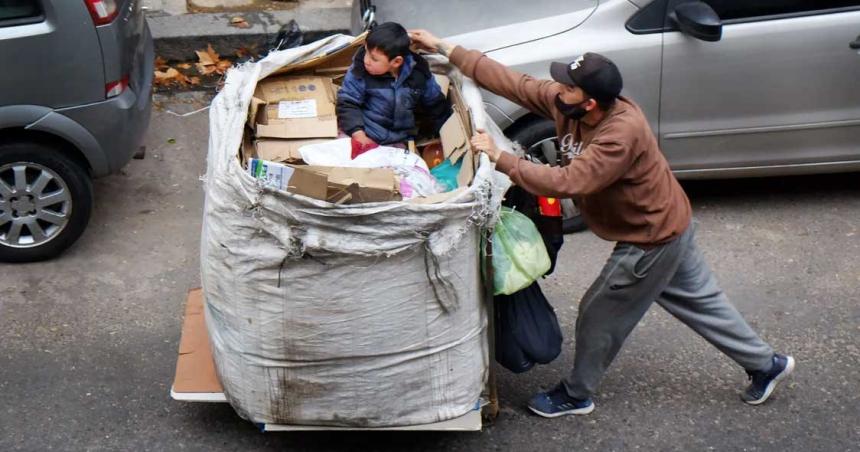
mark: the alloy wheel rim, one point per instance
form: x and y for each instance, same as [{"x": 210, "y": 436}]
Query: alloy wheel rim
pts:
[{"x": 35, "y": 205}]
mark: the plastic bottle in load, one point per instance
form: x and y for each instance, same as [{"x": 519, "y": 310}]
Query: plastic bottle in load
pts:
[{"x": 433, "y": 154}]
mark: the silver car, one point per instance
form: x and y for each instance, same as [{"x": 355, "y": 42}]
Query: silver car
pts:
[
  {"x": 74, "y": 104},
  {"x": 732, "y": 88}
]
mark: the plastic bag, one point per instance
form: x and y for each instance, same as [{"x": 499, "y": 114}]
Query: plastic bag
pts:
[
  {"x": 416, "y": 181},
  {"x": 339, "y": 153},
  {"x": 415, "y": 178},
  {"x": 527, "y": 330},
  {"x": 549, "y": 227},
  {"x": 446, "y": 174},
  {"x": 519, "y": 253}
]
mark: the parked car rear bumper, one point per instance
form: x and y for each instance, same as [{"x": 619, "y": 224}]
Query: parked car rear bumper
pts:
[{"x": 118, "y": 124}]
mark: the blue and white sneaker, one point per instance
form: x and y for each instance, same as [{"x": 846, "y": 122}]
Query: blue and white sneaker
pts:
[
  {"x": 556, "y": 402},
  {"x": 763, "y": 383}
]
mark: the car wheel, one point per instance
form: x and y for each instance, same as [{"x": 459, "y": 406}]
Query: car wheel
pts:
[
  {"x": 540, "y": 143},
  {"x": 45, "y": 201}
]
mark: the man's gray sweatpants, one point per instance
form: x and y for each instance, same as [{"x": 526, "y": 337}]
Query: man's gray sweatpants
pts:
[{"x": 676, "y": 276}]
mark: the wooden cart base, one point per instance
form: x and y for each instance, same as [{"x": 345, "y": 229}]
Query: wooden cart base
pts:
[{"x": 196, "y": 380}]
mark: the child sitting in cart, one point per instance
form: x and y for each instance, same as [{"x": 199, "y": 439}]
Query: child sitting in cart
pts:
[{"x": 382, "y": 90}]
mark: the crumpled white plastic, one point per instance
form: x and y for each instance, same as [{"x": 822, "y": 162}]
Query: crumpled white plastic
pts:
[{"x": 415, "y": 177}]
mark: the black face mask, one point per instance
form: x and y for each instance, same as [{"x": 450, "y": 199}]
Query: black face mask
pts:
[{"x": 575, "y": 111}]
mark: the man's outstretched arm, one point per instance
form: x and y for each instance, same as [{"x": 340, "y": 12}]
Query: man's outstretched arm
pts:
[{"x": 535, "y": 95}]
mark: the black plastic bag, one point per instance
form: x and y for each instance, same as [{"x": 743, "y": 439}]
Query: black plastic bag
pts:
[
  {"x": 289, "y": 36},
  {"x": 526, "y": 329}
]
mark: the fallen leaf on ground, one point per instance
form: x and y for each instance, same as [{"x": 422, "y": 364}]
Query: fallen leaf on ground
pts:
[
  {"x": 184, "y": 66},
  {"x": 171, "y": 75},
  {"x": 165, "y": 77},
  {"x": 205, "y": 69},
  {"x": 210, "y": 62},
  {"x": 207, "y": 56},
  {"x": 243, "y": 51},
  {"x": 160, "y": 63},
  {"x": 239, "y": 22},
  {"x": 222, "y": 66}
]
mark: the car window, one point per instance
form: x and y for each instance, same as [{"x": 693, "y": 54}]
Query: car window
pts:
[
  {"x": 18, "y": 9},
  {"x": 454, "y": 17},
  {"x": 653, "y": 17},
  {"x": 746, "y": 9}
]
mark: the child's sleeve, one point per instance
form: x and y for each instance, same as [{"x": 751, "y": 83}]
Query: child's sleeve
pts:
[
  {"x": 350, "y": 99},
  {"x": 435, "y": 104}
]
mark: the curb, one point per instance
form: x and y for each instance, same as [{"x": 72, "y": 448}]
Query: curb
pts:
[{"x": 177, "y": 37}]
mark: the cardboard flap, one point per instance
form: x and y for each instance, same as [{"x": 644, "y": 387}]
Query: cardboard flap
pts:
[
  {"x": 454, "y": 137},
  {"x": 307, "y": 182},
  {"x": 275, "y": 150},
  {"x": 438, "y": 197},
  {"x": 467, "y": 171},
  {"x": 382, "y": 178},
  {"x": 444, "y": 83},
  {"x": 358, "y": 185},
  {"x": 341, "y": 57},
  {"x": 253, "y": 109},
  {"x": 291, "y": 178}
]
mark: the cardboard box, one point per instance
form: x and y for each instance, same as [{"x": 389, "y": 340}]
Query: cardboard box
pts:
[
  {"x": 361, "y": 184},
  {"x": 290, "y": 178},
  {"x": 333, "y": 184},
  {"x": 281, "y": 129},
  {"x": 326, "y": 183},
  {"x": 294, "y": 107},
  {"x": 275, "y": 150}
]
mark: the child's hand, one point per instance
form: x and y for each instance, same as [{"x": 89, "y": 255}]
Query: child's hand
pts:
[
  {"x": 482, "y": 141},
  {"x": 362, "y": 138},
  {"x": 361, "y": 143}
]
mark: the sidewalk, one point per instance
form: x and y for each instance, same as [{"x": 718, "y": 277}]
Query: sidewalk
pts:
[{"x": 179, "y": 27}]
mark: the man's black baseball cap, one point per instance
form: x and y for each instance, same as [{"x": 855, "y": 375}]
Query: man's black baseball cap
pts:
[{"x": 594, "y": 73}]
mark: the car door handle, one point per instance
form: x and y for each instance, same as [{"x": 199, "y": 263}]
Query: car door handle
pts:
[{"x": 855, "y": 44}]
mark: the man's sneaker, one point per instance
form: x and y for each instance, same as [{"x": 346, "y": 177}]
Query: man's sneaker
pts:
[
  {"x": 763, "y": 383},
  {"x": 556, "y": 402}
]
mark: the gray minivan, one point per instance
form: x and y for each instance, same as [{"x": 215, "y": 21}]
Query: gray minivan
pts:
[{"x": 74, "y": 104}]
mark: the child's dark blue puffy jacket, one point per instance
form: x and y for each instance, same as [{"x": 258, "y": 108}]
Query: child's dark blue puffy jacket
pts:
[{"x": 385, "y": 107}]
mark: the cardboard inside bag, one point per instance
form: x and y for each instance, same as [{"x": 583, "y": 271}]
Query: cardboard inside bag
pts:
[{"x": 295, "y": 106}]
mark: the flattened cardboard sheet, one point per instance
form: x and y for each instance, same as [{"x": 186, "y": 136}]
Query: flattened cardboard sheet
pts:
[
  {"x": 195, "y": 368},
  {"x": 275, "y": 150}
]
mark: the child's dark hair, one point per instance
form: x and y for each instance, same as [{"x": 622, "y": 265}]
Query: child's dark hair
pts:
[{"x": 389, "y": 38}]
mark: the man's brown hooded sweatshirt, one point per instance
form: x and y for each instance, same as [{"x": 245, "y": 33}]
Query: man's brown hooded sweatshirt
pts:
[{"x": 620, "y": 181}]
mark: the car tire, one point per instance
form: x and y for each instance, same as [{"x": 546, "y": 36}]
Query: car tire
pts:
[
  {"x": 46, "y": 199},
  {"x": 531, "y": 137}
]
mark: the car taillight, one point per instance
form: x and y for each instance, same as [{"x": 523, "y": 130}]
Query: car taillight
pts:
[
  {"x": 549, "y": 207},
  {"x": 103, "y": 11},
  {"x": 116, "y": 88}
]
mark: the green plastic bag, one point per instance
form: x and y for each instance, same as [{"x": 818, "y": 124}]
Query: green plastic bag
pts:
[{"x": 519, "y": 254}]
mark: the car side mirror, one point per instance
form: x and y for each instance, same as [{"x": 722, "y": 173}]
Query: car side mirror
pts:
[{"x": 698, "y": 20}]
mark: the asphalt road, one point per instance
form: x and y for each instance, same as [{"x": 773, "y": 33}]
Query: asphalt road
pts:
[{"x": 88, "y": 341}]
